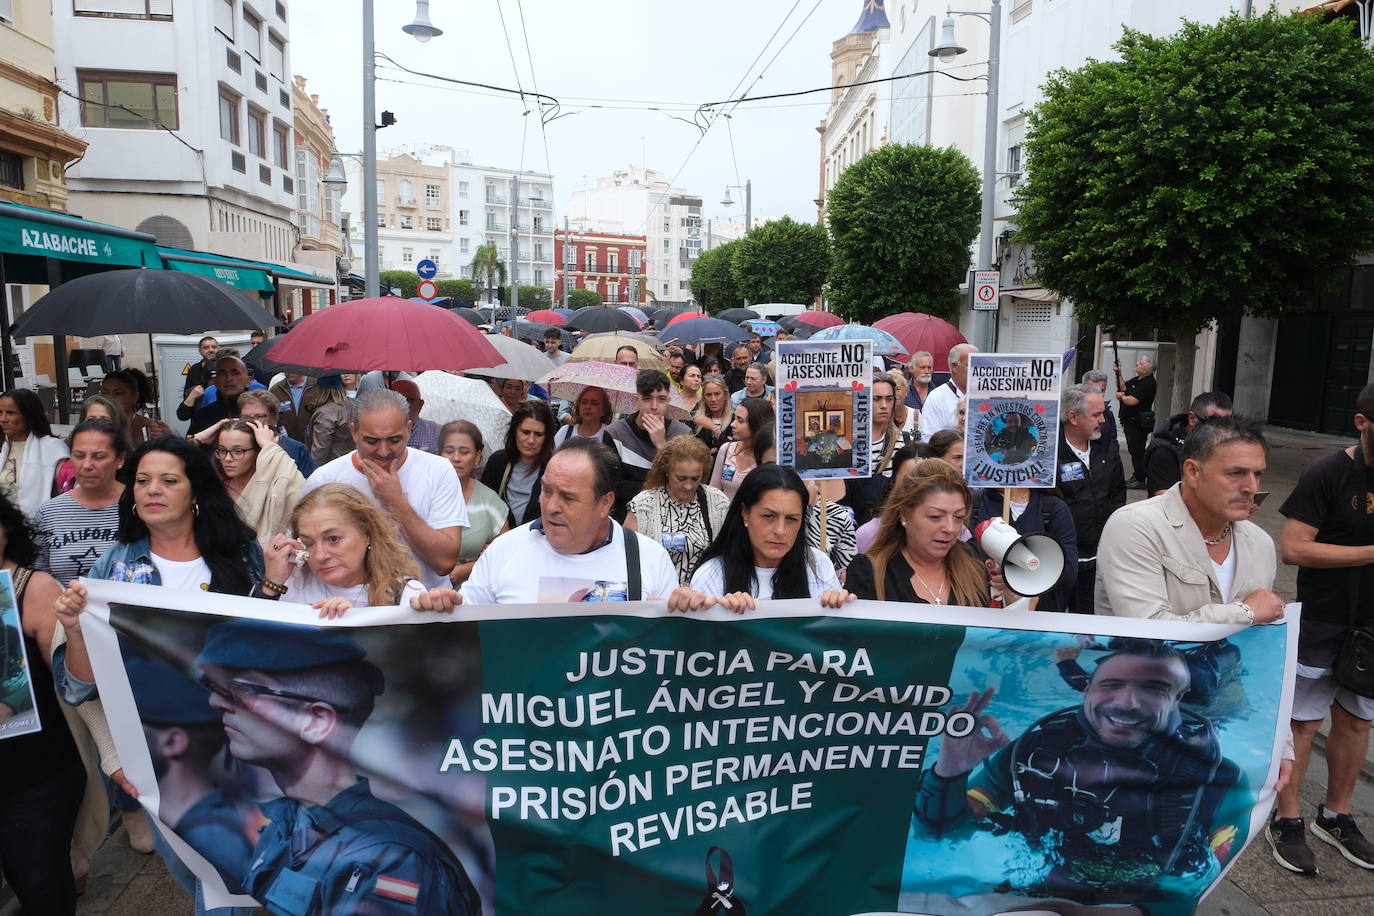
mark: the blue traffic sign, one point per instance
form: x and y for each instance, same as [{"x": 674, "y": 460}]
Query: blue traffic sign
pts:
[{"x": 427, "y": 269}]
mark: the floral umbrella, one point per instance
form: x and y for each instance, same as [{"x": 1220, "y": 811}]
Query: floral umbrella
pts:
[
  {"x": 884, "y": 344},
  {"x": 568, "y": 380}
]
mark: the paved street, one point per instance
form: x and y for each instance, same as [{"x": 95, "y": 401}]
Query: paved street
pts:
[{"x": 124, "y": 883}]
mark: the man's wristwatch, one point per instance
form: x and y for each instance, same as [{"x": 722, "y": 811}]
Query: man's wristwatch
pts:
[{"x": 1249, "y": 614}]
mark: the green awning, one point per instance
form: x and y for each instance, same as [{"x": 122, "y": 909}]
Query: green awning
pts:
[
  {"x": 29, "y": 232},
  {"x": 236, "y": 272}
]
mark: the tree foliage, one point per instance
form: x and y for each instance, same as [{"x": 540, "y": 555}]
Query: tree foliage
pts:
[
  {"x": 901, "y": 221},
  {"x": 713, "y": 278},
  {"x": 581, "y": 298},
  {"x": 460, "y": 289},
  {"x": 407, "y": 281},
  {"x": 531, "y": 297},
  {"x": 782, "y": 261},
  {"x": 487, "y": 269},
  {"x": 1228, "y": 167}
]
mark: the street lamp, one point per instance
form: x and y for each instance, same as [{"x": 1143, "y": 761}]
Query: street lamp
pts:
[
  {"x": 748, "y": 189},
  {"x": 945, "y": 52},
  {"x": 423, "y": 30}
]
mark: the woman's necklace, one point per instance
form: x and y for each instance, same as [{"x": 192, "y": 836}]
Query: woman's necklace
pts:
[
  {"x": 938, "y": 595},
  {"x": 1225, "y": 533}
]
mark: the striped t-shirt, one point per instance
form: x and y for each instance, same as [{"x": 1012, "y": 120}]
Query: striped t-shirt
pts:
[{"x": 71, "y": 537}]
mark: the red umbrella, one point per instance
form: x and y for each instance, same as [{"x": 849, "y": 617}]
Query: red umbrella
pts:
[
  {"x": 919, "y": 331},
  {"x": 547, "y": 317},
  {"x": 388, "y": 333},
  {"x": 685, "y": 316},
  {"x": 818, "y": 319}
]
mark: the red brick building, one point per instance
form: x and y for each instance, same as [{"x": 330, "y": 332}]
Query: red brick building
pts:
[{"x": 602, "y": 262}]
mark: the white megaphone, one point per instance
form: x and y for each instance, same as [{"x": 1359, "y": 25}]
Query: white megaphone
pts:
[{"x": 1031, "y": 563}]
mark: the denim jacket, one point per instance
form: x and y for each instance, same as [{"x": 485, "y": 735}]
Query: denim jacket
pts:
[{"x": 132, "y": 562}]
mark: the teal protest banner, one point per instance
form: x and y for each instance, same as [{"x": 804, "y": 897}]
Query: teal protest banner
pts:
[
  {"x": 18, "y": 708},
  {"x": 562, "y": 759}
]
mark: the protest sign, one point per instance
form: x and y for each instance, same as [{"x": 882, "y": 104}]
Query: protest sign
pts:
[
  {"x": 554, "y": 759},
  {"x": 18, "y": 710},
  {"x": 824, "y": 397},
  {"x": 1012, "y": 432}
]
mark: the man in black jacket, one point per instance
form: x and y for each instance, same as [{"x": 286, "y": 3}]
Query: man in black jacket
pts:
[
  {"x": 638, "y": 437},
  {"x": 1091, "y": 480},
  {"x": 1164, "y": 457},
  {"x": 741, "y": 358}
]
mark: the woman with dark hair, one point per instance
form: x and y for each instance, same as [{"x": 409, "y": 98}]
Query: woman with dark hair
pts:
[
  {"x": 516, "y": 471},
  {"x": 829, "y": 523},
  {"x": 95, "y": 407},
  {"x": 736, "y": 458},
  {"x": 917, "y": 555},
  {"x": 262, "y": 479},
  {"x": 31, "y": 453},
  {"x": 177, "y": 528},
  {"x": 76, "y": 527},
  {"x": 131, "y": 390},
  {"x": 488, "y": 517},
  {"x": 44, "y": 776},
  {"x": 948, "y": 446},
  {"x": 760, "y": 552}
]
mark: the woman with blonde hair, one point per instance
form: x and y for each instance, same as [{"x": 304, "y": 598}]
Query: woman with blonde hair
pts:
[
  {"x": 675, "y": 508},
  {"x": 713, "y": 416},
  {"x": 917, "y": 555},
  {"x": 345, "y": 553}
]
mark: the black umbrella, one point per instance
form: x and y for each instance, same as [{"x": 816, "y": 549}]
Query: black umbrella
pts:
[
  {"x": 599, "y": 318},
  {"x": 470, "y": 315},
  {"x": 702, "y": 330},
  {"x": 141, "y": 302},
  {"x": 534, "y": 331},
  {"x": 735, "y": 316}
]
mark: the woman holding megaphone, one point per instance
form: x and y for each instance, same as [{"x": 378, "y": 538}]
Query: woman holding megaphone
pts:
[{"x": 917, "y": 555}]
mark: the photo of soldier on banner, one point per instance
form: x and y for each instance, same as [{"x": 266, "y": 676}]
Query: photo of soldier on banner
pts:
[
  {"x": 1012, "y": 432},
  {"x": 18, "y": 710},
  {"x": 297, "y": 761},
  {"x": 824, "y": 396}
]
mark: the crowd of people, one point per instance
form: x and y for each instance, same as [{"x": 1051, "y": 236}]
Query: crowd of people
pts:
[{"x": 334, "y": 492}]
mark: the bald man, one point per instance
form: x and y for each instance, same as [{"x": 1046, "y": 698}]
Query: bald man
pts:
[{"x": 424, "y": 434}]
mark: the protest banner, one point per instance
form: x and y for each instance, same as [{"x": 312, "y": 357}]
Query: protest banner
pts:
[
  {"x": 18, "y": 709},
  {"x": 824, "y": 397},
  {"x": 1011, "y": 436},
  {"x": 554, "y": 759}
]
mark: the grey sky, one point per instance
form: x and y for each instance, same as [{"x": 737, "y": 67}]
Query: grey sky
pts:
[{"x": 671, "y": 55}]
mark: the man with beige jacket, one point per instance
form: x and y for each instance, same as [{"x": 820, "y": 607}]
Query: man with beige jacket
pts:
[{"x": 1192, "y": 553}]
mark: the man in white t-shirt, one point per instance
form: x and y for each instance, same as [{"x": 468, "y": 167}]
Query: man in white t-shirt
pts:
[
  {"x": 574, "y": 551},
  {"x": 941, "y": 409},
  {"x": 419, "y": 490}
]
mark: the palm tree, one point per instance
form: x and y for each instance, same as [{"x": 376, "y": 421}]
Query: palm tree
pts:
[{"x": 487, "y": 264}]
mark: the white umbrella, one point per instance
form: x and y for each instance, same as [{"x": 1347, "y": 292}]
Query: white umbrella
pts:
[
  {"x": 453, "y": 397},
  {"x": 522, "y": 361}
]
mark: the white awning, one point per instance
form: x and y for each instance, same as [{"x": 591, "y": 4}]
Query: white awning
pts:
[{"x": 1032, "y": 294}]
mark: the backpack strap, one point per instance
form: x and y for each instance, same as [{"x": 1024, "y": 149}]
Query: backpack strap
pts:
[{"x": 634, "y": 587}]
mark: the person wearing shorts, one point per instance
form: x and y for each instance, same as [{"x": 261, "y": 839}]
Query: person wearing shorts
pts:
[{"x": 1328, "y": 534}]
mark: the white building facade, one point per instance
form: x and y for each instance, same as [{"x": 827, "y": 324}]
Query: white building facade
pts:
[
  {"x": 187, "y": 110},
  {"x": 640, "y": 201},
  {"x": 857, "y": 120}
]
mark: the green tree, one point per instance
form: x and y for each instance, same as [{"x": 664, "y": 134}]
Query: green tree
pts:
[
  {"x": 782, "y": 261},
  {"x": 406, "y": 281},
  {"x": 901, "y": 221},
  {"x": 581, "y": 298},
  {"x": 531, "y": 297},
  {"x": 713, "y": 278},
  {"x": 1228, "y": 168},
  {"x": 488, "y": 266},
  {"x": 460, "y": 290}
]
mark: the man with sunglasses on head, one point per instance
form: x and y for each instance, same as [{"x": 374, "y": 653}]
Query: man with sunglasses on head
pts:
[{"x": 292, "y": 701}]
